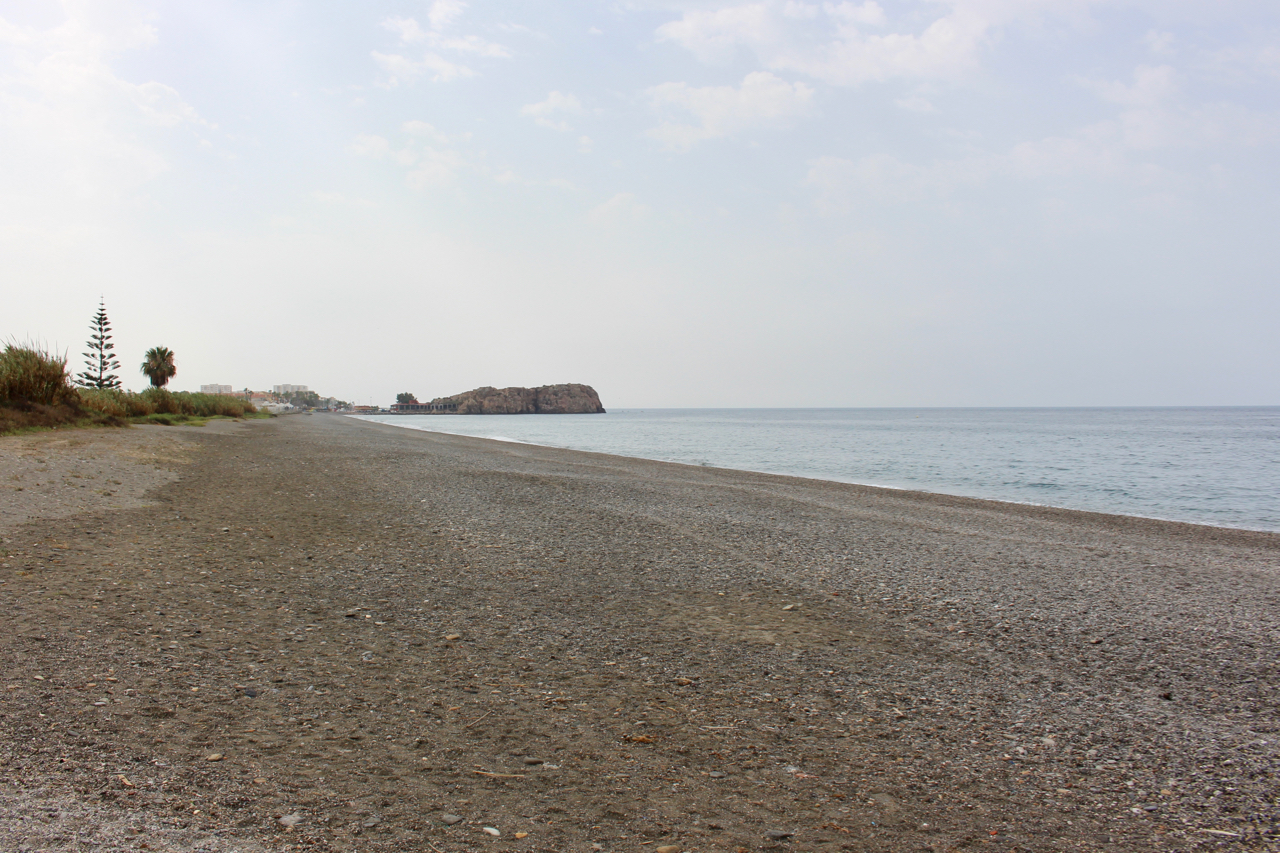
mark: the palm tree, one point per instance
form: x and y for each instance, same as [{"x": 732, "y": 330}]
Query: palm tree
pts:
[{"x": 157, "y": 365}]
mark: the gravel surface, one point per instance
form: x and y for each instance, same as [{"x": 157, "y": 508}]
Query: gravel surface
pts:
[{"x": 328, "y": 634}]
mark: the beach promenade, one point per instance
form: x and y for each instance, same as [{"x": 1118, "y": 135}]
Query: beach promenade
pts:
[{"x": 318, "y": 633}]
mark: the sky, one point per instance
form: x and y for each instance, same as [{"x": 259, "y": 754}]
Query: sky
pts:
[{"x": 684, "y": 203}]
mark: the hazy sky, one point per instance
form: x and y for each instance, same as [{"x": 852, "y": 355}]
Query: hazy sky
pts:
[{"x": 928, "y": 202}]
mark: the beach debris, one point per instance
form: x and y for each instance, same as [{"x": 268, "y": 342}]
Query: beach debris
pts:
[
  {"x": 451, "y": 819},
  {"x": 489, "y": 830},
  {"x": 289, "y": 821}
]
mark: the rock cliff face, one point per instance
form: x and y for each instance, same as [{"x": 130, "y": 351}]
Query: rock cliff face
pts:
[{"x": 571, "y": 399}]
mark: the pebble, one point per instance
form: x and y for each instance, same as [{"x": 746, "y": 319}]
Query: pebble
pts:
[
  {"x": 522, "y": 835},
  {"x": 668, "y": 848},
  {"x": 717, "y": 774},
  {"x": 491, "y": 831},
  {"x": 371, "y": 822},
  {"x": 453, "y": 636},
  {"x": 532, "y": 761},
  {"x": 778, "y": 835},
  {"x": 290, "y": 820},
  {"x": 213, "y": 756},
  {"x": 451, "y": 819}
]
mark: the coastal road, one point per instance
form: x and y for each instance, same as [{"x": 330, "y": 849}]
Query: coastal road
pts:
[{"x": 322, "y": 633}]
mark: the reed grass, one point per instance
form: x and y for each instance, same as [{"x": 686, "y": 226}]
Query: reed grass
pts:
[
  {"x": 159, "y": 401},
  {"x": 30, "y": 374}
]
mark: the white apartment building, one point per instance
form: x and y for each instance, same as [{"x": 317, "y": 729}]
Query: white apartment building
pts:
[
  {"x": 216, "y": 389},
  {"x": 289, "y": 389}
]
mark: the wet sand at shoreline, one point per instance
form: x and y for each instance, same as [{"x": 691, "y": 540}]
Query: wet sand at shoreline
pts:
[{"x": 376, "y": 630}]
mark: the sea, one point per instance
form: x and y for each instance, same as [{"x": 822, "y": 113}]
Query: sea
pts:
[{"x": 1218, "y": 466}]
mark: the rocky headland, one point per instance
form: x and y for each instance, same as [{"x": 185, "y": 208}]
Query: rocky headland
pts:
[{"x": 565, "y": 399}]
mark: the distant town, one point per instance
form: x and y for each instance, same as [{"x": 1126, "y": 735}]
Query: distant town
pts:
[{"x": 287, "y": 398}]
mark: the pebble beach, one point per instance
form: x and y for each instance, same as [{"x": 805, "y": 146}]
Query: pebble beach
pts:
[{"x": 319, "y": 633}]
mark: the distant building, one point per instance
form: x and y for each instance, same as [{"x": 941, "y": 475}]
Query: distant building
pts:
[
  {"x": 422, "y": 408},
  {"x": 290, "y": 389},
  {"x": 216, "y": 389}
]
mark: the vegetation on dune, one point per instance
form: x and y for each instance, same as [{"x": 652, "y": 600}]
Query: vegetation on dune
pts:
[
  {"x": 159, "y": 401},
  {"x": 30, "y": 374},
  {"x": 36, "y": 392}
]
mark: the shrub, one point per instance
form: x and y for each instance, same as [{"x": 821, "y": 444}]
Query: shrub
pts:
[
  {"x": 158, "y": 401},
  {"x": 29, "y": 374},
  {"x": 166, "y": 402},
  {"x": 208, "y": 405},
  {"x": 109, "y": 401}
]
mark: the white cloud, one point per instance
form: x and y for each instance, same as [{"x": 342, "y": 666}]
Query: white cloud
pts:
[
  {"x": 426, "y": 131},
  {"x": 408, "y": 29},
  {"x": 368, "y": 145},
  {"x": 1160, "y": 43},
  {"x": 445, "y": 12},
  {"x": 832, "y": 43},
  {"x": 715, "y": 35},
  {"x": 1151, "y": 86},
  {"x": 556, "y": 104},
  {"x": 75, "y": 125},
  {"x": 622, "y": 209},
  {"x": 401, "y": 69},
  {"x": 435, "y": 167},
  {"x": 1153, "y": 114},
  {"x": 916, "y": 104},
  {"x": 430, "y": 157},
  {"x": 762, "y": 99},
  {"x": 844, "y": 184},
  {"x": 440, "y": 17}
]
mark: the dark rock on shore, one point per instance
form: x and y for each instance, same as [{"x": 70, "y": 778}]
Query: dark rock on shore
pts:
[{"x": 565, "y": 399}]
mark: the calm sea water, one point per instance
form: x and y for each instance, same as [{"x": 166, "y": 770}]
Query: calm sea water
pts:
[{"x": 1209, "y": 465}]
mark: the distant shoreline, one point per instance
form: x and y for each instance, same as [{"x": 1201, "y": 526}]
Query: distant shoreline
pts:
[{"x": 816, "y": 477}]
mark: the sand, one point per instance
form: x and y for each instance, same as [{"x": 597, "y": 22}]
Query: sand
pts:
[{"x": 316, "y": 633}]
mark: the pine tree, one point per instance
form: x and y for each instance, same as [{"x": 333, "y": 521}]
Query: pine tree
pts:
[{"x": 100, "y": 359}]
